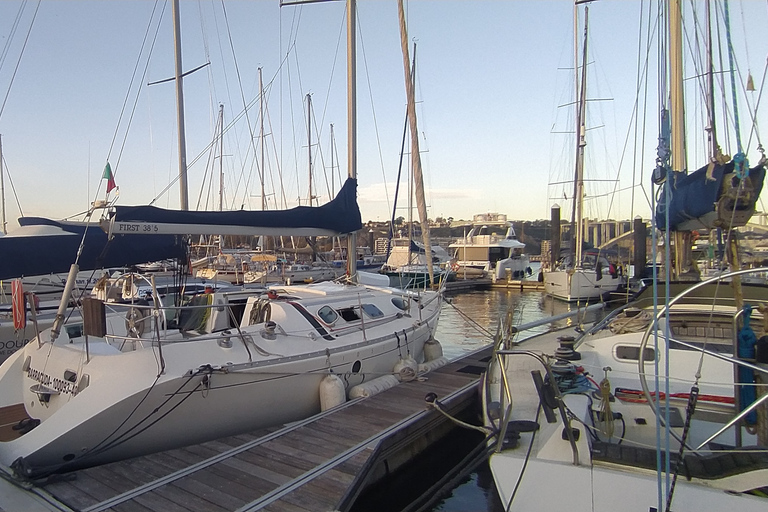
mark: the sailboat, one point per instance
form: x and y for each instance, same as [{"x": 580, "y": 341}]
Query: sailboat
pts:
[
  {"x": 161, "y": 375},
  {"x": 581, "y": 275},
  {"x": 409, "y": 264},
  {"x": 653, "y": 408}
]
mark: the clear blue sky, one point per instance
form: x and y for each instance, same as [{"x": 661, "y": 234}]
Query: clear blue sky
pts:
[{"x": 490, "y": 77}]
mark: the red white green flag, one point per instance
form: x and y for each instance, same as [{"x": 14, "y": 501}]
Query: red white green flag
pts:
[{"x": 109, "y": 177}]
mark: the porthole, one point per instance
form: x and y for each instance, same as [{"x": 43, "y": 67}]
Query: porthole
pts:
[
  {"x": 327, "y": 314},
  {"x": 400, "y": 303},
  {"x": 632, "y": 353},
  {"x": 372, "y": 311},
  {"x": 356, "y": 366}
]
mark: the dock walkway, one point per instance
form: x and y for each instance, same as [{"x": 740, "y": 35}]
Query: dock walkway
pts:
[{"x": 321, "y": 463}]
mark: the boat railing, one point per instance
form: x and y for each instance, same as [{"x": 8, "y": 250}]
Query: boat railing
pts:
[
  {"x": 738, "y": 362},
  {"x": 501, "y": 351}
]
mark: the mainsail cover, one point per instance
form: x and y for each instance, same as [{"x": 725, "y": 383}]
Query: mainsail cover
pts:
[
  {"x": 339, "y": 216},
  {"x": 43, "y": 246},
  {"x": 694, "y": 198}
]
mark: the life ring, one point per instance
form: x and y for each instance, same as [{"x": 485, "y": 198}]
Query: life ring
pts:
[{"x": 455, "y": 267}]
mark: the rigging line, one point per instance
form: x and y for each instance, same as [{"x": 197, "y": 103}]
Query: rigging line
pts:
[
  {"x": 319, "y": 158},
  {"x": 753, "y": 112},
  {"x": 740, "y": 165},
  {"x": 279, "y": 167},
  {"x": 650, "y": 30},
  {"x": 375, "y": 121},
  {"x": 240, "y": 86},
  {"x": 13, "y": 187},
  {"x": 12, "y": 34},
  {"x": 333, "y": 66},
  {"x": 130, "y": 434},
  {"x": 18, "y": 61},
  {"x": 133, "y": 78}
]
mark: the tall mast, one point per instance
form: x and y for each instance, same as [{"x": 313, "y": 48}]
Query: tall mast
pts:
[
  {"x": 261, "y": 138},
  {"x": 2, "y": 189},
  {"x": 710, "y": 129},
  {"x": 577, "y": 238},
  {"x": 682, "y": 261},
  {"x": 309, "y": 143},
  {"x": 221, "y": 157},
  {"x": 333, "y": 185},
  {"x": 351, "y": 121},
  {"x": 677, "y": 109},
  {"x": 415, "y": 155},
  {"x": 184, "y": 195}
]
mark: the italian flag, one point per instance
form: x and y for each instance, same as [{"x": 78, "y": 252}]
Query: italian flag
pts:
[{"x": 109, "y": 177}]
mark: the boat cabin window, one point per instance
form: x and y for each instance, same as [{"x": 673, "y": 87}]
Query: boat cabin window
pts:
[
  {"x": 236, "y": 310},
  {"x": 497, "y": 253},
  {"x": 372, "y": 311},
  {"x": 632, "y": 353},
  {"x": 74, "y": 331},
  {"x": 349, "y": 314},
  {"x": 400, "y": 303},
  {"x": 327, "y": 314}
]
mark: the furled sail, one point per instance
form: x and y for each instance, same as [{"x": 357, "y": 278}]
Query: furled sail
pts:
[
  {"x": 711, "y": 198},
  {"x": 44, "y": 246},
  {"x": 339, "y": 216}
]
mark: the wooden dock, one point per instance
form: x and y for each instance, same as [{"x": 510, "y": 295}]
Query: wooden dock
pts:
[
  {"x": 319, "y": 464},
  {"x": 517, "y": 284}
]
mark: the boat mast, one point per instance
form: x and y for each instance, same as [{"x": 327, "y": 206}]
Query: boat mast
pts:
[
  {"x": 710, "y": 129},
  {"x": 682, "y": 239},
  {"x": 309, "y": 144},
  {"x": 184, "y": 195},
  {"x": 261, "y": 138},
  {"x": 221, "y": 157},
  {"x": 2, "y": 190},
  {"x": 577, "y": 217},
  {"x": 351, "y": 122},
  {"x": 418, "y": 177}
]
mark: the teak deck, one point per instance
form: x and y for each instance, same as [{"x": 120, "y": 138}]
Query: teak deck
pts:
[{"x": 319, "y": 464}]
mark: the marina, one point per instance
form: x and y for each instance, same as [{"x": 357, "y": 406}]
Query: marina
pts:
[
  {"x": 354, "y": 446},
  {"x": 262, "y": 343}
]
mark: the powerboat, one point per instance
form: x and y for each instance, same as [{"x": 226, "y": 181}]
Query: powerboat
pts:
[{"x": 484, "y": 248}]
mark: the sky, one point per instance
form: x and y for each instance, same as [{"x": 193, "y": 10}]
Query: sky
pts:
[{"x": 494, "y": 86}]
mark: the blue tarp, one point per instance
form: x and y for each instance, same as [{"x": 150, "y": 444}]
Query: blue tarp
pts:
[
  {"x": 54, "y": 248},
  {"x": 694, "y": 196},
  {"x": 339, "y": 216}
]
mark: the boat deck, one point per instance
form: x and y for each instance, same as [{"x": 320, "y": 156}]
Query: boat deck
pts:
[
  {"x": 10, "y": 418},
  {"x": 322, "y": 463}
]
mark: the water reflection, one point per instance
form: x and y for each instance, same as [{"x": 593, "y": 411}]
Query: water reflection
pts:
[{"x": 469, "y": 320}]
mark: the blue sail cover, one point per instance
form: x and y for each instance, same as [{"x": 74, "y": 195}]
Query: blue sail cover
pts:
[
  {"x": 339, "y": 216},
  {"x": 692, "y": 205},
  {"x": 44, "y": 246}
]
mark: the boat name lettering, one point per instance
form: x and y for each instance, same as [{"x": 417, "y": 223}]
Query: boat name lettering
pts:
[
  {"x": 60, "y": 385},
  {"x": 138, "y": 228}
]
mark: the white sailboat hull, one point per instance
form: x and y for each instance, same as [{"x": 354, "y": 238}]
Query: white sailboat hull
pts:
[
  {"x": 579, "y": 284},
  {"x": 211, "y": 386}
]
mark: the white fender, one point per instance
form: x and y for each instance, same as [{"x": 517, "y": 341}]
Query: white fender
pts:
[{"x": 332, "y": 392}]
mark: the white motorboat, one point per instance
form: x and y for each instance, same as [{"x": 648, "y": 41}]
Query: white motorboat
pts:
[
  {"x": 164, "y": 376},
  {"x": 482, "y": 248},
  {"x": 591, "y": 424}
]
